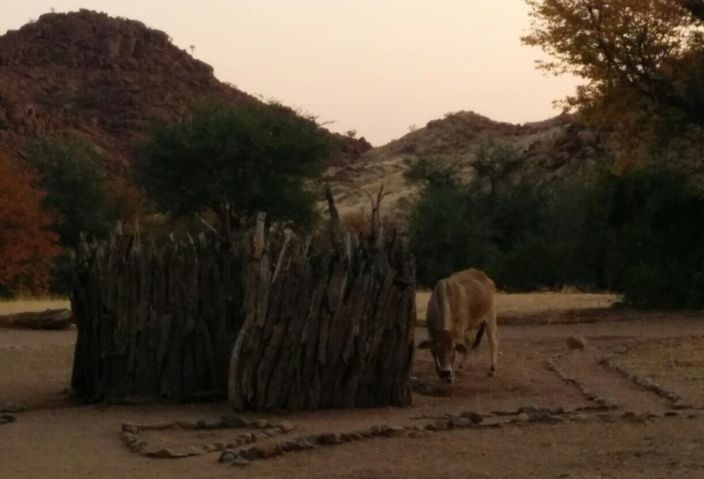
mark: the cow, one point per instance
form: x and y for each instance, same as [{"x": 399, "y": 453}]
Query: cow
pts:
[{"x": 458, "y": 305}]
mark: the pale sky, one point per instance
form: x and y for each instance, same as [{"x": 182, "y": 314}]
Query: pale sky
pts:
[{"x": 375, "y": 66}]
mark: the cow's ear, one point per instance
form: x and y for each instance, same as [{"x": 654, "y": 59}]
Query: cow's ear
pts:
[
  {"x": 461, "y": 348},
  {"x": 427, "y": 344}
]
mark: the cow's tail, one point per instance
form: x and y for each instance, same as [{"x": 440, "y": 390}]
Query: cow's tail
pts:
[{"x": 478, "y": 337}]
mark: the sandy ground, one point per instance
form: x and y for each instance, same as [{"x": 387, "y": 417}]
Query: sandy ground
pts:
[{"x": 57, "y": 438}]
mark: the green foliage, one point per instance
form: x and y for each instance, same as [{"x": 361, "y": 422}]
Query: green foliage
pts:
[
  {"x": 235, "y": 161},
  {"x": 573, "y": 230},
  {"x": 655, "y": 235},
  {"x": 640, "y": 233},
  {"x": 76, "y": 186},
  {"x": 447, "y": 229},
  {"x": 496, "y": 162},
  {"x": 488, "y": 222},
  {"x": 75, "y": 180}
]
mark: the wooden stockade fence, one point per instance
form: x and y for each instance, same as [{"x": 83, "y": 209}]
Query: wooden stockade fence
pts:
[
  {"x": 265, "y": 320},
  {"x": 155, "y": 322},
  {"x": 328, "y": 331}
]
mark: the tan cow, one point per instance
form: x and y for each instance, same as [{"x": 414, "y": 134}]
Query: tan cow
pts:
[{"x": 458, "y": 305}]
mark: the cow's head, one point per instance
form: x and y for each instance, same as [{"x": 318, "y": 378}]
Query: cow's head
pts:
[{"x": 444, "y": 350}]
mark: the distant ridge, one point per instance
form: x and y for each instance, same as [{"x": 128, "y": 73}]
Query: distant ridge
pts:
[{"x": 555, "y": 148}]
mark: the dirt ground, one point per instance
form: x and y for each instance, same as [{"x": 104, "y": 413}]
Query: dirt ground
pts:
[{"x": 630, "y": 405}]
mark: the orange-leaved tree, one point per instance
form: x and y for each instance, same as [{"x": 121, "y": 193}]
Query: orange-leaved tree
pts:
[
  {"x": 642, "y": 62},
  {"x": 27, "y": 243}
]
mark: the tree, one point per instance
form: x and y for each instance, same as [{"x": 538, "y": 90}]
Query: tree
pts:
[
  {"x": 80, "y": 194},
  {"x": 643, "y": 60},
  {"x": 493, "y": 220},
  {"x": 496, "y": 162},
  {"x": 77, "y": 189},
  {"x": 27, "y": 243},
  {"x": 235, "y": 161}
]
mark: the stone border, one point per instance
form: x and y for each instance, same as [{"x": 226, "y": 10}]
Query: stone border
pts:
[
  {"x": 602, "y": 403},
  {"x": 676, "y": 401},
  {"x": 131, "y": 435},
  {"x": 8, "y": 413},
  {"x": 264, "y": 448},
  {"x": 246, "y": 456},
  {"x": 7, "y": 418},
  {"x": 523, "y": 416}
]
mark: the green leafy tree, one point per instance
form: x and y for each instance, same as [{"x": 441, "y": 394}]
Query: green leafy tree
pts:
[
  {"x": 655, "y": 238},
  {"x": 77, "y": 189},
  {"x": 79, "y": 193},
  {"x": 496, "y": 162},
  {"x": 235, "y": 161},
  {"x": 492, "y": 220}
]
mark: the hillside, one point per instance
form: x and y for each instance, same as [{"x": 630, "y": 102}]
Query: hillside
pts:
[
  {"x": 103, "y": 80},
  {"x": 554, "y": 149}
]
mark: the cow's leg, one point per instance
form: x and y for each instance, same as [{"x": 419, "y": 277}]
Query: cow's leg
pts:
[
  {"x": 463, "y": 353},
  {"x": 468, "y": 340},
  {"x": 492, "y": 331}
]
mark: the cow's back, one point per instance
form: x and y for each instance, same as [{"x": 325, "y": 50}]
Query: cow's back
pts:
[
  {"x": 470, "y": 294},
  {"x": 472, "y": 297}
]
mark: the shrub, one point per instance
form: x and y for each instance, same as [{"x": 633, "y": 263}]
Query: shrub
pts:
[
  {"x": 235, "y": 161},
  {"x": 640, "y": 233},
  {"x": 79, "y": 193},
  {"x": 655, "y": 249},
  {"x": 75, "y": 182},
  {"x": 492, "y": 222}
]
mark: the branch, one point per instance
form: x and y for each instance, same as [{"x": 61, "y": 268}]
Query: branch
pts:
[
  {"x": 338, "y": 241},
  {"x": 377, "y": 226}
]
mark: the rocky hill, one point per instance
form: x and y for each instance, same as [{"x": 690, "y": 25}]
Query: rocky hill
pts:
[
  {"x": 553, "y": 149},
  {"x": 103, "y": 80}
]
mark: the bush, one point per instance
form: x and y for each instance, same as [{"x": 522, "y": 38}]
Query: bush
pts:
[
  {"x": 79, "y": 193},
  {"x": 640, "y": 233},
  {"x": 655, "y": 249},
  {"x": 492, "y": 222},
  {"x": 447, "y": 229}
]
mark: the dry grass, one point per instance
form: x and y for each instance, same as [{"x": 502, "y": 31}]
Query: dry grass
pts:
[
  {"x": 24, "y": 305},
  {"x": 526, "y": 303},
  {"x": 531, "y": 303}
]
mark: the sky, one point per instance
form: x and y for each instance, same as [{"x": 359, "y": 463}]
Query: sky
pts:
[{"x": 379, "y": 67}]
